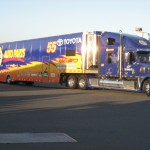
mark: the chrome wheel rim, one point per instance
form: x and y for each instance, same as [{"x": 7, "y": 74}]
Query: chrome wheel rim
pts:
[{"x": 82, "y": 83}]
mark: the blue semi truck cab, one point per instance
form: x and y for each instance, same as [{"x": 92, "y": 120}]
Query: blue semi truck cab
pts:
[{"x": 123, "y": 63}]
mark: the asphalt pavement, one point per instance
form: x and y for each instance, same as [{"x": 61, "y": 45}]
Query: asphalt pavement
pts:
[{"x": 95, "y": 119}]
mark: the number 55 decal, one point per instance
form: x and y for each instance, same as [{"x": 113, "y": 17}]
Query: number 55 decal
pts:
[{"x": 51, "y": 47}]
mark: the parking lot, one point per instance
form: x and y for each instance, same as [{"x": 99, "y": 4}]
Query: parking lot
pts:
[{"x": 94, "y": 119}]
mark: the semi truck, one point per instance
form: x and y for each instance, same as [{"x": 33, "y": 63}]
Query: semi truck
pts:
[{"x": 97, "y": 59}]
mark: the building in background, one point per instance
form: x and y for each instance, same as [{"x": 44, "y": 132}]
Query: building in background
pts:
[{"x": 141, "y": 33}]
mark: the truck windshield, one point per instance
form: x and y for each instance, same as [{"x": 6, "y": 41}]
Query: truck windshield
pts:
[{"x": 143, "y": 57}]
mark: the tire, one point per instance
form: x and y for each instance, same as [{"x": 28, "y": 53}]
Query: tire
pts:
[
  {"x": 8, "y": 80},
  {"x": 72, "y": 82},
  {"x": 146, "y": 87},
  {"x": 82, "y": 83}
]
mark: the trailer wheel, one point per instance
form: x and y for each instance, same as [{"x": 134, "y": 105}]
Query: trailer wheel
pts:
[
  {"x": 8, "y": 80},
  {"x": 146, "y": 87},
  {"x": 72, "y": 82},
  {"x": 83, "y": 83}
]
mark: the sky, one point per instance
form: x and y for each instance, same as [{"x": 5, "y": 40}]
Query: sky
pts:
[{"x": 29, "y": 19}]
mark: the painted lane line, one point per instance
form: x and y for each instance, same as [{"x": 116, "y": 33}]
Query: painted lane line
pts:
[{"x": 35, "y": 138}]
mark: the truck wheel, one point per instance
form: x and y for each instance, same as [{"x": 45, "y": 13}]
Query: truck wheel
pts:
[
  {"x": 72, "y": 82},
  {"x": 8, "y": 80},
  {"x": 146, "y": 87},
  {"x": 83, "y": 83}
]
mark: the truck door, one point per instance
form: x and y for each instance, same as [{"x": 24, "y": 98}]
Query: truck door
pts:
[
  {"x": 109, "y": 55},
  {"x": 45, "y": 68},
  {"x": 111, "y": 62},
  {"x": 131, "y": 68}
]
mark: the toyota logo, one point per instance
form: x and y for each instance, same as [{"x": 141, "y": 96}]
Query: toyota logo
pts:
[{"x": 60, "y": 42}]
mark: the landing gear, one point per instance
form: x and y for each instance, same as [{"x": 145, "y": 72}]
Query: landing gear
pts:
[
  {"x": 146, "y": 87},
  {"x": 8, "y": 79}
]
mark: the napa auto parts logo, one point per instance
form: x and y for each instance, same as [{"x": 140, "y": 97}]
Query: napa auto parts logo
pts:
[
  {"x": 14, "y": 55},
  {"x": 61, "y": 42}
]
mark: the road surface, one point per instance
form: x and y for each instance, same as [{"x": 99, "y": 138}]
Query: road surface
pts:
[{"x": 94, "y": 119}]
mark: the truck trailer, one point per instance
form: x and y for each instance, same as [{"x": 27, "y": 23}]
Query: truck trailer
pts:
[{"x": 96, "y": 59}]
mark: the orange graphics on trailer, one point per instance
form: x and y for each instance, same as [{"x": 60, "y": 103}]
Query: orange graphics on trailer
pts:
[{"x": 40, "y": 60}]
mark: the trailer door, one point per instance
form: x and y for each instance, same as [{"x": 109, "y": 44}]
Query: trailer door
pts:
[{"x": 45, "y": 68}]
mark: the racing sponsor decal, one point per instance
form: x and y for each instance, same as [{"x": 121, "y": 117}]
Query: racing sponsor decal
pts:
[
  {"x": 61, "y": 42},
  {"x": 51, "y": 47},
  {"x": 142, "y": 42},
  {"x": 66, "y": 60},
  {"x": 14, "y": 55}
]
